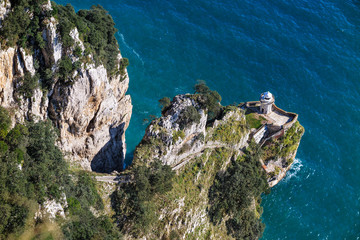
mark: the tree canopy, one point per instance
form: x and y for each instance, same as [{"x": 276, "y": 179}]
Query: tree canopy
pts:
[
  {"x": 33, "y": 170},
  {"x": 208, "y": 99},
  {"x": 235, "y": 193},
  {"x": 133, "y": 203}
]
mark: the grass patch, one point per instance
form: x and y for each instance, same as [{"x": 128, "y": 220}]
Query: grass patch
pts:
[
  {"x": 231, "y": 131},
  {"x": 253, "y": 120}
]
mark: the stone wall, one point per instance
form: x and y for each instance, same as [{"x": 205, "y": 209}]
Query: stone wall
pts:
[{"x": 294, "y": 117}]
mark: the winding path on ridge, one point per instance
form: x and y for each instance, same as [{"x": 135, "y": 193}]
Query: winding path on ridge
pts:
[{"x": 126, "y": 178}]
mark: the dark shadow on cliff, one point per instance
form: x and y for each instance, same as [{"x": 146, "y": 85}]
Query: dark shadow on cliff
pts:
[{"x": 110, "y": 157}]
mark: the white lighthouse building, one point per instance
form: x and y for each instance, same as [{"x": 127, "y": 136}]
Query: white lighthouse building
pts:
[{"x": 266, "y": 100}]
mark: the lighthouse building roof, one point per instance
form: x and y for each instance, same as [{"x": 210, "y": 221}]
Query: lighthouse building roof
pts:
[{"x": 266, "y": 97}]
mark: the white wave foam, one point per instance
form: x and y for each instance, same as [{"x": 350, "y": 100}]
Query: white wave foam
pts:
[
  {"x": 295, "y": 168},
  {"x": 133, "y": 50}
]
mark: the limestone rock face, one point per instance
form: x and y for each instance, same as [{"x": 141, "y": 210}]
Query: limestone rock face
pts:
[
  {"x": 4, "y": 9},
  {"x": 276, "y": 166},
  {"x": 53, "y": 50},
  {"x": 27, "y": 62},
  {"x": 47, "y": 6},
  {"x": 92, "y": 111},
  {"x": 7, "y": 58},
  {"x": 52, "y": 209},
  {"x": 174, "y": 143},
  {"x": 92, "y": 115},
  {"x": 13, "y": 64},
  {"x": 232, "y": 120}
]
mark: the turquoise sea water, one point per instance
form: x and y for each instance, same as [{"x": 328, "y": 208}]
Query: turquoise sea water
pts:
[{"x": 306, "y": 52}]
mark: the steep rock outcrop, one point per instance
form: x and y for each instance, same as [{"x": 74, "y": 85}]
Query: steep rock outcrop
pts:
[
  {"x": 184, "y": 211},
  {"x": 7, "y": 76},
  {"x": 53, "y": 51},
  {"x": 174, "y": 142},
  {"x": 91, "y": 111},
  {"x": 52, "y": 209}
]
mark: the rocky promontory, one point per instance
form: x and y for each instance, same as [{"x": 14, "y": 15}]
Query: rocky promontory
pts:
[{"x": 224, "y": 157}]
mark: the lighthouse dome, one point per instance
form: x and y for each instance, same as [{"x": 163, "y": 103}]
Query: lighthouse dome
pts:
[{"x": 266, "y": 97}]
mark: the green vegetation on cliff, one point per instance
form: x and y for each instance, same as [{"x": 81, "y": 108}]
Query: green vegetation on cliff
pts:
[
  {"x": 236, "y": 192},
  {"x": 253, "y": 120},
  {"x": 233, "y": 130},
  {"x": 285, "y": 145},
  {"x": 208, "y": 99},
  {"x": 199, "y": 194},
  {"x": 24, "y": 26},
  {"x": 97, "y": 31},
  {"x": 134, "y": 202},
  {"x": 32, "y": 171}
]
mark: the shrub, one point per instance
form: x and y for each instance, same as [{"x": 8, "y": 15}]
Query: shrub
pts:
[
  {"x": 133, "y": 203},
  {"x": 74, "y": 205},
  {"x": 174, "y": 235},
  {"x": 78, "y": 51},
  {"x": 188, "y": 116},
  {"x": 177, "y": 135},
  {"x": 18, "y": 136},
  {"x": 124, "y": 62},
  {"x": 28, "y": 84},
  {"x": 65, "y": 67},
  {"x": 164, "y": 104},
  {"x": 232, "y": 194},
  {"x": 208, "y": 99},
  {"x": 185, "y": 148},
  {"x": 3, "y": 148},
  {"x": 47, "y": 78},
  {"x": 5, "y": 123}
]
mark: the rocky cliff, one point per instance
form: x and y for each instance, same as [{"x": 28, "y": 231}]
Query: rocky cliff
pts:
[
  {"x": 201, "y": 152},
  {"x": 89, "y": 107},
  {"x": 182, "y": 132}
]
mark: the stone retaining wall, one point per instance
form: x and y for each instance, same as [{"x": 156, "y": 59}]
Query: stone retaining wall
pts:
[
  {"x": 294, "y": 117},
  {"x": 277, "y": 134}
]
